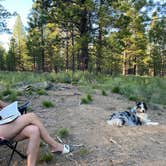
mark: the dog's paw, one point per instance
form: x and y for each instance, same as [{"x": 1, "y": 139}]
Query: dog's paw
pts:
[
  {"x": 115, "y": 122},
  {"x": 152, "y": 123}
]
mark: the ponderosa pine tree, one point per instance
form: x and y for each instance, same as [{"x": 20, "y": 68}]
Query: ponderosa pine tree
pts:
[
  {"x": 2, "y": 58},
  {"x": 11, "y": 56},
  {"x": 20, "y": 38},
  {"x": 131, "y": 31},
  {"x": 157, "y": 40},
  {"x": 37, "y": 21}
]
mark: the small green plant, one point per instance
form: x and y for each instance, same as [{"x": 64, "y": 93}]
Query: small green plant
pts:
[
  {"x": 86, "y": 100},
  {"x": 7, "y": 92},
  {"x": 42, "y": 144},
  {"x": 9, "y": 95},
  {"x": 46, "y": 157},
  {"x": 63, "y": 132},
  {"x": 47, "y": 104},
  {"x": 1, "y": 95},
  {"x": 12, "y": 97},
  {"x": 41, "y": 92},
  {"x": 104, "y": 93},
  {"x": 83, "y": 151},
  {"x": 62, "y": 99},
  {"x": 133, "y": 98},
  {"x": 89, "y": 97},
  {"x": 159, "y": 113},
  {"x": 116, "y": 89}
]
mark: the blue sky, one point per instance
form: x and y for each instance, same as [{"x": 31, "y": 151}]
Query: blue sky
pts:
[{"x": 22, "y": 7}]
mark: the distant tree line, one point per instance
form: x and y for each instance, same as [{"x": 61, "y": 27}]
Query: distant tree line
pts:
[{"x": 101, "y": 36}]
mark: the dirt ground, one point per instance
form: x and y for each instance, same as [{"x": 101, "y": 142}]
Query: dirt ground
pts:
[{"x": 103, "y": 145}]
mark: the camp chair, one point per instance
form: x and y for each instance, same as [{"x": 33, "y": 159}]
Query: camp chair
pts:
[{"x": 11, "y": 144}]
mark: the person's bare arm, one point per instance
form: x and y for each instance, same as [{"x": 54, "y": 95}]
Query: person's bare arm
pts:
[{"x": 2, "y": 104}]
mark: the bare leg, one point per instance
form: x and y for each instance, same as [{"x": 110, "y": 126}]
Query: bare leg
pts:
[
  {"x": 33, "y": 133},
  {"x": 29, "y": 119}
]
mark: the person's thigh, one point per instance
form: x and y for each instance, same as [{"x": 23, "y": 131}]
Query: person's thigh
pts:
[
  {"x": 10, "y": 130},
  {"x": 27, "y": 132}
]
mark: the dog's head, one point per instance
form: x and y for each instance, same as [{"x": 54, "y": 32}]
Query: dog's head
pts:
[
  {"x": 141, "y": 107},
  {"x": 141, "y": 111}
]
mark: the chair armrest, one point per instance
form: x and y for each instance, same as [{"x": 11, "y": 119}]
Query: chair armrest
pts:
[
  {"x": 23, "y": 108},
  {"x": 2, "y": 138}
]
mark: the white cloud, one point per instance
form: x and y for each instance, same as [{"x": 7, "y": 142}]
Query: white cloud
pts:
[
  {"x": 22, "y": 8},
  {"x": 4, "y": 39}
]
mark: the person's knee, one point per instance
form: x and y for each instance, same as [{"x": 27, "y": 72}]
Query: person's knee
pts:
[
  {"x": 34, "y": 131},
  {"x": 32, "y": 115}
]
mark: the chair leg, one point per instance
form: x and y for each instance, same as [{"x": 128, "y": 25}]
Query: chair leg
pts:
[
  {"x": 11, "y": 156},
  {"x": 13, "y": 147}
]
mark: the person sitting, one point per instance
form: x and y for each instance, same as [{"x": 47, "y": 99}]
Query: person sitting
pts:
[{"x": 29, "y": 126}]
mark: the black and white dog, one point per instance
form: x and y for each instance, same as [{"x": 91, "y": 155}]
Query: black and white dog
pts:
[{"x": 136, "y": 116}]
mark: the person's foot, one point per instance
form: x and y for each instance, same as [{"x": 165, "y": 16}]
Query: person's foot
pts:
[{"x": 61, "y": 149}]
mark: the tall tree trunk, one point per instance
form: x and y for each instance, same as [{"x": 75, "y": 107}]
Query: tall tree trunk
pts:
[
  {"x": 124, "y": 65},
  {"x": 100, "y": 38},
  {"x": 84, "y": 57},
  {"x": 99, "y": 50},
  {"x": 135, "y": 67},
  {"x": 42, "y": 49},
  {"x": 67, "y": 50},
  {"x": 72, "y": 42},
  {"x": 34, "y": 60}
]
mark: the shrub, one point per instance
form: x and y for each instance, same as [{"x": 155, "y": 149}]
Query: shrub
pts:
[
  {"x": 46, "y": 157},
  {"x": 89, "y": 97},
  {"x": 63, "y": 132},
  {"x": 41, "y": 92},
  {"x": 9, "y": 95},
  {"x": 42, "y": 144},
  {"x": 133, "y": 98},
  {"x": 86, "y": 100},
  {"x": 104, "y": 93},
  {"x": 116, "y": 89},
  {"x": 47, "y": 104},
  {"x": 83, "y": 151}
]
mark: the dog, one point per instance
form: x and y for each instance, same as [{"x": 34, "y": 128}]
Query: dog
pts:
[{"x": 134, "y": 117}]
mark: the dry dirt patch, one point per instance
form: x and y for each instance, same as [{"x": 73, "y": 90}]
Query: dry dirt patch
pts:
[{"x": 105, "y": 145}]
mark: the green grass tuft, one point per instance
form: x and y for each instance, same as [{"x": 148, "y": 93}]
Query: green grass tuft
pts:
[
  {"x": 86, "y": 100},
  {"x": 9, "y": 95},
  {"x": 133, "y": 98},
  {"x": 47, "y": 104},
  {"x": 83, "y": 151},
  {"x": 115, "y": 89},
  {"x": 63, "y": 133},
  {"x": 89, "y": 97},
  {"x": 41, "y": 92},
  {"x": 46, "y": 157},
  {"x": 103, "y": 92}
]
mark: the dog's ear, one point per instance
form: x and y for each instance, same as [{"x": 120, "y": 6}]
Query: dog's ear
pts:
[
  {"x": 145, "y": 106},
  {"x": 137, "y": 103}
]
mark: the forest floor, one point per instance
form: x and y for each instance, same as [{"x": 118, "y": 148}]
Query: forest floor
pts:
[{"x": 103, "y": 145}]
